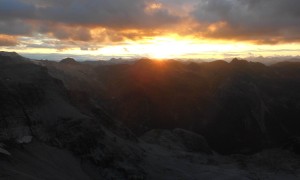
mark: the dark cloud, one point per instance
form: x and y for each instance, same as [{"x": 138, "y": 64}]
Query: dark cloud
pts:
[
  {"x": 16, "y": 9},
  {"x": 74, "y": 19},
  {"x": 63, "y": 32},
  {"x": 259, "y": 20},
  {"x": 15, "y": 27},
  {"x": 112, "y": 13},
  {"x": 250, "y": 13}
]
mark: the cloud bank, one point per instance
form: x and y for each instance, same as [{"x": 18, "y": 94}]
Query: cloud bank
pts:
[
  {"x": 101, "y": 21},
  {"x": 262, "y": 21}
]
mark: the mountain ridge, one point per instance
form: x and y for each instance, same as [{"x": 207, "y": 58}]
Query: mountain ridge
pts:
[{"x": 147, "y": 120}]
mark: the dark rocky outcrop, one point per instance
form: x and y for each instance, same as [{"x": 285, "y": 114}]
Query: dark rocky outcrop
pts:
[
  {"x": 37, "y": 107},
  {"x": 179, "y": 139}
]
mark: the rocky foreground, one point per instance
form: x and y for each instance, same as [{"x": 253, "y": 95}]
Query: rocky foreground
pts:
[{"x": 74, "y": 120}]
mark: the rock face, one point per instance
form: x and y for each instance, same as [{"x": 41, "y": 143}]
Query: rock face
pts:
[
  {"x": 192, "y": 141},
  {"x": 178, "y": 139},
  {"x": 3, "y": 151},
  {"x": 293, "y": 145},
  {"x": 34, "y": 105},
  {"x": 31, "y": 100},
  {"x": 40, "y": 161}
]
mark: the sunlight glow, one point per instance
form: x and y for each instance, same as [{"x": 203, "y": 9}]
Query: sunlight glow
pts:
[
  {"x": 164, "y": 47},
  {"x": 169, "y": 47}
]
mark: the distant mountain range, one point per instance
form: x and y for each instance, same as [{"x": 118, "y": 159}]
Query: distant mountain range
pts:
[{"x": 268, "y": 60}]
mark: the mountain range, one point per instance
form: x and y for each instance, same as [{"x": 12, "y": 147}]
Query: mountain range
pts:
[{"x": 148, "y": 119}]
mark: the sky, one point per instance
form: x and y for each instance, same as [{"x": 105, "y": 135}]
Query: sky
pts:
[{"x": 192, "y": 29}]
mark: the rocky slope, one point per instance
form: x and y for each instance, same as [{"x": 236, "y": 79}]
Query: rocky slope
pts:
[
  {"x": 72, "y": 120},
  {"x": 248, "y": 105},
  {"x": 35, "y": 106}
]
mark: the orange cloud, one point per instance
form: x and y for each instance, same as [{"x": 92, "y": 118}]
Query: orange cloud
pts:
[
  {"x": 77, "y": 23},
  {"x": 6, "y": 40}
]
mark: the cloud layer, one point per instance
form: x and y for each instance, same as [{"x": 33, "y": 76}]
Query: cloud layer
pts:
[
  {"x": 262, "y": 21},
  {"x": 101, "y": 21}
]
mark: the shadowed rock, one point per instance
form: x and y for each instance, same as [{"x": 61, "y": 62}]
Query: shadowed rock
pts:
[{"x": 179, "y": 139}]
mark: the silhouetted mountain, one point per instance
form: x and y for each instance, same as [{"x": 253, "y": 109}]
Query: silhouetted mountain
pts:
[
  {"x": 234, "y": 102},
  {"x": 148, "y": 120},
  {"x": 112, "y": 61},
  {"x": 68, "y": 61},
  {"x": 10, "y": 54},
  {"x": 36, "y": 110},
  {"x": 8, "y": 57}
]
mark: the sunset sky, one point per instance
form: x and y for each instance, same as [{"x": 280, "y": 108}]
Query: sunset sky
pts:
[{"x": 102, "y": 29}]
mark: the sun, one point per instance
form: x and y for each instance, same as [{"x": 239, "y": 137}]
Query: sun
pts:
[{"x": 164, "y": 47}]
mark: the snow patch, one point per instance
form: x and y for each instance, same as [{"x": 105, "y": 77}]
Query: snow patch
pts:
[
  {"x": 24, "y": 140},
  {"x": 3, "y": 151}
]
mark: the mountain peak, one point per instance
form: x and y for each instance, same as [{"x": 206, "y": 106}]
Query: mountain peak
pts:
[
  {"x": 238, "y": 61},
  {"x": 9, "y": 54},
  {"x": 12, "y": 56},
  {"x": 68, "y": 61}
]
